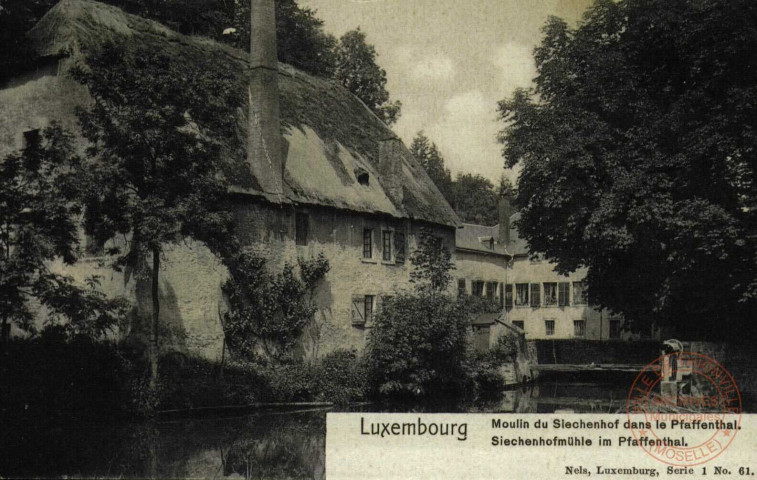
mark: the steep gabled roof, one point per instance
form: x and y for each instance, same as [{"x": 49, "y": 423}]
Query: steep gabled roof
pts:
[
  {"x": 332, "y": 135},
  {"x": 476, "y": 238}
]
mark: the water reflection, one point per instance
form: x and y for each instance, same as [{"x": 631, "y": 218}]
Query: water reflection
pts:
[
  {"x": 261, "y": 446},
  {"x": 266, "y": 446}
]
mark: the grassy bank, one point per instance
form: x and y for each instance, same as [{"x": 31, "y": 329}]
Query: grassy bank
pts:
[{"x": 56, "y": 379}]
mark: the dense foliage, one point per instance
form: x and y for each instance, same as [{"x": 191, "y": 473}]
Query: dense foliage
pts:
[
  {"x": 638, "y": 154},
  {"x": 269, "y": 312},
  {"x": 156, "y": 129},
  {"x": 40, "y": 202},
  {"x": 357, "y": 70},
  {"x": 419, "y": 347}
]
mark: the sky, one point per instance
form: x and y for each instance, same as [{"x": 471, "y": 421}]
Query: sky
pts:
[{"x": 450, "y": 62}]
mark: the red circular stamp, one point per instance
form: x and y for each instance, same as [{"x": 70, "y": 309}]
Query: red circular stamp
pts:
[{"x": 684, "y": 409}]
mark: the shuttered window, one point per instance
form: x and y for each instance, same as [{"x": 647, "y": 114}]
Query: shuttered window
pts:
[
  {"x": 490, "y": 289},
  {"x": 521, "y": 294},
  {"x": 358, "y": 310},
  {"x": 477, "y": 288},
  {"x": 362, "y": 309},
  {"x": 368, "y": 308},
  {"x": 563, "y": 294},
  {"x": 550, "y": 294},
  {"x": 535, "y": 295}
]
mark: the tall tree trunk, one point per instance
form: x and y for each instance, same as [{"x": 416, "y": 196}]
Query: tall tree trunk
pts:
[{"x": 154, "y": 346}]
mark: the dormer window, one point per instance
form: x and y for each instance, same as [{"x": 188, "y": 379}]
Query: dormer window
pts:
[{"x": 364, "y": 179}]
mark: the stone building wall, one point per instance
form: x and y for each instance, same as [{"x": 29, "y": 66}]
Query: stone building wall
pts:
[
  {"x": 472, "y": 267},
  {"x": 597, "y": 323},
  {"x": 271, "y": 231}
]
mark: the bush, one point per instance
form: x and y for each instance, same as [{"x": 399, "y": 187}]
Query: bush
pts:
[
  {"x": 419, "y": 347},
  {"x": 342, "y": 377}
]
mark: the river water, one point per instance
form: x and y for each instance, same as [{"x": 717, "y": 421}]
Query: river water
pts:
[{"x": 260, "y": 446}]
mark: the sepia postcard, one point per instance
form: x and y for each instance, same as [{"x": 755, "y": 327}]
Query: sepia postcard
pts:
[{"x": 378, "y": 239}]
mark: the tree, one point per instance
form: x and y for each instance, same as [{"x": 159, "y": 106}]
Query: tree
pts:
[
  {"x": 432, "y": 161},
  {"x": 419, "y": 347},
  {"x": 475, "y": 199},
  {"x": 40, "y": 204},
  {"x": 270, "y": 311},
  {"x": 637, "y": 146},
  {"x": 357, "y": 70},
  {"x": 301, "y": 40},
  {"x": 156, "y": 130},
  {"x": 432, "y": 262}
]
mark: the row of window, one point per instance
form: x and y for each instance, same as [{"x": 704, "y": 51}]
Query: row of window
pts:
[
  {"x": 528, "y": 294},
  {"x": 579, "y": 327},
  {"x": 392, "y": 244},
  {"x": 547, "y": 294}
]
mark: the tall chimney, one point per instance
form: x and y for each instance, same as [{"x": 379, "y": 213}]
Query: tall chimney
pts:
[
  {"x": 505, "y": 211},
  {"x": 265, "y": 145}
]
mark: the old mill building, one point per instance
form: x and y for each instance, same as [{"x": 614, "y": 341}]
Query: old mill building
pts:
[{"x": 324, "y": 175}]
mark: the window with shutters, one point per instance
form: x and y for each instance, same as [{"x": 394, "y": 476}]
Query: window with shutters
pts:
[
  {"x": 579, "y": 293},
  {"x": 563, "y": 294},
  {"x": 549, "y": 327},
  {"x": 462, "y": 290},
  {"x": 386, "y": 246},
  {"x": 579, "y": 328},
  {"x": 550, "y": 294},
  {"x": 477, "y": 288},
  {"x": 519, "y": 324},
  {"x": 368, "y": 308},
  {"x": 368, "y": 243},
  {"x": 362, "y": 309},
  {"x": 399, "y": 246},
  {"x": 535, "y": 295},
  {"x": 491, "y": 287},
  {"x": 521, "y": 294},
  {"x": 614, "y": 329},
  {"x": 301, "y": 226},
  {"x": 508, "y": 295}
]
